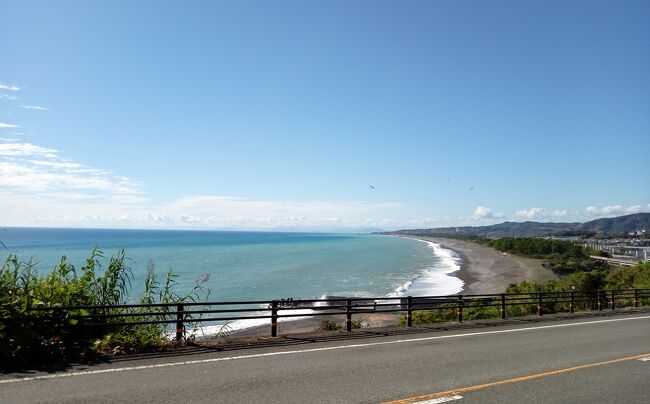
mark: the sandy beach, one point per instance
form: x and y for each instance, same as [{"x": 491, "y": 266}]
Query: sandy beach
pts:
[{"x": 483, "y": 271}]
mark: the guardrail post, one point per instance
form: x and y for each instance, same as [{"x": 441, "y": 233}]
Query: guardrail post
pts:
[
  {"x": 409, "y": 311},
  {"x": 348, "y": 315},
  {"x": 636, "y": 297},
  {"x": 503, "y": 306},
  {"x": 572, "y": 305},
  {"x": 460, "y": 309},
  {"x": 180, "y": 327},
  {"x": 600, "y": 300},
  {"x": 613, "y": 297},
  {"x": 540, "y": 310},
  {"x": 274, "y": 318}
]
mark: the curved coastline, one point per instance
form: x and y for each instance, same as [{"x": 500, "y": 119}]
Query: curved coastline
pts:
[
  {"x": 486, "y": 271},
  {"x": 483, "y": 270}
]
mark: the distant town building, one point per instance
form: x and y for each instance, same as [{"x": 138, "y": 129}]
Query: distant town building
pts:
[{"x": 642, "y": 253}]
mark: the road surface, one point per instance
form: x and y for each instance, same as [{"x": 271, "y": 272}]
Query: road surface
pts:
[{"x": 590, "y": 360}]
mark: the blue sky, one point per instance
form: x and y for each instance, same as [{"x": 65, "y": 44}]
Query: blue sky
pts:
[{"x": 280, "y": 115}]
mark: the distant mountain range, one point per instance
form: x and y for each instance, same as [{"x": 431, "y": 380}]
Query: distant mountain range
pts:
[{"x": 621, "y": 224}]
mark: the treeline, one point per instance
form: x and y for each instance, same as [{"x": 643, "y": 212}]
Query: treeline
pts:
[
  {"x": 31, "y": 336},
  {"x": 538, "y": 247},
  {"x": 561, "y": 256}
]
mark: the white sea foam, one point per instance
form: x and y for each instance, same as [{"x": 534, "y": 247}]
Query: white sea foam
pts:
[
  {"x": 402, "y": 289},
  {"x": 238, "y": 325},
  {"x": 435, "y": 280}
]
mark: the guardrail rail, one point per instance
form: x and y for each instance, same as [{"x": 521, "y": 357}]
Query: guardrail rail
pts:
[{"x": 180, "y": 314}]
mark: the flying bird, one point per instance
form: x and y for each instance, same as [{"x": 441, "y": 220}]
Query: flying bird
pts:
[{"x": 470, "y": 188}]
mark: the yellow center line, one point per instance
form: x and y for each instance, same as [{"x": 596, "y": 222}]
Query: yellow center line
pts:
[{"x": 466, "y": 389}]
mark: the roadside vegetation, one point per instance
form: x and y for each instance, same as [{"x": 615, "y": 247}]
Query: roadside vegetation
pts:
[
  {"x": 331, "y": 325},
  {"x": 562, "y": 257},
  {"x": 577, "y": 272},
  {"x": 31, "y": 334}
]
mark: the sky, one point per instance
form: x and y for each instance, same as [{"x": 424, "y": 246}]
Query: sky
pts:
[{"x": 322, "y": 116}]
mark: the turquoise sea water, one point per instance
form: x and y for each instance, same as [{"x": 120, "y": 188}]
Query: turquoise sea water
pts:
[{"x": 256, "y": 265}]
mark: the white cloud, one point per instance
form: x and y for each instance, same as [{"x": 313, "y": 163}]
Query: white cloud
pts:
[
  {"x": 7, "y": 125},
  {"x": 26, "y": 149},
  {"x": 41, "y": 171},
  {"x": 589, "y": 213},
  {"x": 57, "y": 164},
  {"x": 539, "y": 213},
  {"x": 127, "y": 197},
  {"x": 532, "y": 213},
  {"x": 559, "y": 213},
  {"x": 614, "y": 210},
  {"x": 481, "y": 213},
  {"x": 9, "y": 87},
  {"x": 34, "y": 107},
  {"x": 245, "y": 213},
  {"x": 71, "y": 207},
  {"x": 8, "y": 96},
  {"x": 40, "y": 187},
  {"x": 22, "y": 176},
  {"x": 72, "y": 196}
]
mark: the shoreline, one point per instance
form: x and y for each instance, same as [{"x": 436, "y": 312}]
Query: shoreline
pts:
[{"x": 483, "y": 270}]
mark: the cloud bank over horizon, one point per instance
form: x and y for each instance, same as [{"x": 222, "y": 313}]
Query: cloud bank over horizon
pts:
[
  {"x": 220, "y": 213},
  {"x": 41, "y": 187}
]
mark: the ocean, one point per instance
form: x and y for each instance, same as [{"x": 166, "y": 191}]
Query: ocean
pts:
[{"x": 255, "y": 265}]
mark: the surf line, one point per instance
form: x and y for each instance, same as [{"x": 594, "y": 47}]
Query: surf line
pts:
[{"x": 311, "y": 350}]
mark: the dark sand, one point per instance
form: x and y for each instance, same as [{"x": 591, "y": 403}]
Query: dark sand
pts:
[{"x": 483, "y": 271}]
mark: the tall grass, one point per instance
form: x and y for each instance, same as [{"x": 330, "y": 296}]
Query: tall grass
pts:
[{"x": 34, "y": 330}]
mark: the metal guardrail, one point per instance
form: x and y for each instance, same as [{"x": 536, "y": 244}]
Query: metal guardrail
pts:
[{"x": 183, "y": 313}]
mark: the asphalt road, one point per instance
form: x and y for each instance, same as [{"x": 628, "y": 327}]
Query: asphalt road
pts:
[{"x": 590, "y": 360}]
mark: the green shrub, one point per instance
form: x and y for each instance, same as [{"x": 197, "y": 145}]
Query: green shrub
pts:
[
  {"x": 331, "y": 325},
  {"x": 328, "y": 325},
  {"x": 445, "y": 313},
  {"x": 33, "y": 330}
]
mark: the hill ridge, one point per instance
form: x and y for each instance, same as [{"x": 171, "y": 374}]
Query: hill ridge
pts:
[{"x": 620, "y": 224}]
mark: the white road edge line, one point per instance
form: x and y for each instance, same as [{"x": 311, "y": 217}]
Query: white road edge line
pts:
[
  {"x": 646, "y": 359},
  {"x": 332, "y": 348},
  {"x": 440, "y": 400}
]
